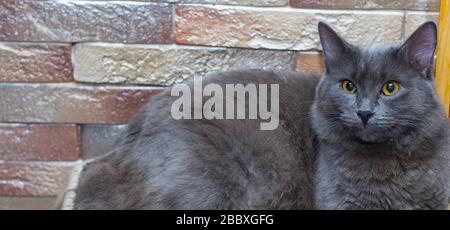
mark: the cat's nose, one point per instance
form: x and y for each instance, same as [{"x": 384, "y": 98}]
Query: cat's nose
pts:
[{"x": 364, "y": 115}]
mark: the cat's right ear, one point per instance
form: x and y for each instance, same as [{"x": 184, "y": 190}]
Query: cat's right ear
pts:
[{"x": 332, "y": 44}]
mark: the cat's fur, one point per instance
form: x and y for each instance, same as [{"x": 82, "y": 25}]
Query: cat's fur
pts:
[
  {"x": 164, "y": 163},
  {"x": 400, "y": 159},
  {"x": 402, "y": 163}
]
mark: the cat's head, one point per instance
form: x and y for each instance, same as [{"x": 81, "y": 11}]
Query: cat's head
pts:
[{"x": 375, "y": 93}]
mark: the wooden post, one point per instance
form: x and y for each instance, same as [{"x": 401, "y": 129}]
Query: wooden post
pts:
[{"x": 443, "y": 56}]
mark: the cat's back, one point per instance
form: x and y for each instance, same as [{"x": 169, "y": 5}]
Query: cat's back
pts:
[{"x": 167, "y": 163}]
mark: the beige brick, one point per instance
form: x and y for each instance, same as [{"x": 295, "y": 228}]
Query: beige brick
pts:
[
  {"x": 27, "y": 203},
  {"x": 37, "y": 62},
  {"x": 280, "y": 28},
  {"x": 76, "y": 21},
  {"x": 71, "y": 103},
  {"x": 415, "y": 19},
  {"x": 167, "y": 64},
  {"x": 431, "y": 5},
  {"x": 224, "y": 2},
  {"x": 44, "y": 142},
  {"x": 239, "y": 2}
]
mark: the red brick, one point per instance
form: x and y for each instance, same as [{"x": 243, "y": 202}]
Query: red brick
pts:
[
  {"x": 71, "y": 103},
  {"x": 35, "y": 62},
  {"x": 77, "y": 21},
  {"x": 430, "y": 5},
  {"x": 44, "y": 142},
  {"x": 310, "y": 62},
  {"x": 34, "y": 179}
]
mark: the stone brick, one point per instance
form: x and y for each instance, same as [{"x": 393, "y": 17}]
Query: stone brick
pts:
[
  {"x": 280, "y": 28},
  {"x": 37, "y": 62},
  {"x": 34, "y": 179},
  {"x": 415, "y": 19},
  {"x": 431, "y": 5},
  {"x": 71, "y": 103},
  {"x": 167, "y": 64},
  {"x": 99, "y": 139},
  {"x": 43, "y": 142},
  {"x": 77, "y": 21},
  {"x": 310, "y": 62},
  {"x": 224, "y": 2},
  {"x": 238, "y": 2},
  {"x": 27, "y": 203}
]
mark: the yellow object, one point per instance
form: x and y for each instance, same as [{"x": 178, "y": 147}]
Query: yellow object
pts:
[
  {"x": 443, "y": 56},
  {"x": 348, "y": 87},
  {"x": 390, "y": 88}
]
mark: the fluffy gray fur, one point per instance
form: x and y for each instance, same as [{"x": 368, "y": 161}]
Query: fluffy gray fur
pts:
[
  {"x": 330, "y": 160},
  {"x": 163, "y": 163},
  {"x": 400, "y": 158}
]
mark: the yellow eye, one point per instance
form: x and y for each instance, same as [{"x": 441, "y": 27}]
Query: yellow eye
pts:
[
  {"x": 348, "y": 86},
  {"x": 390, "y": 88}
]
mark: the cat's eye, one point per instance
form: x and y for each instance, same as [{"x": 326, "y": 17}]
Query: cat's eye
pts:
[
  {"x": 348, "y": 86},
  {"x": 390, "y": 88}
]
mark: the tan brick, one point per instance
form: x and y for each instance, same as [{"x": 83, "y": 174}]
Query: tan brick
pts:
[
  {"x": 34, "y": 179},
  {"x": 310, "y": 62},
  {"x": 224, "y": 2},
  {"x": 238, "y": 2},
  {"x": 37, "y": 62},
  {"x": 415, "y": 19},
  {"x": 44, "y": 142},
  {"x": 431, "y": 5},
  {"x": 27, "y": 203},
  {"x": 167, "y": 64},
  {"x": 76, "y": 21},
  {"x": 71, "y": 103},
  {"x": 280, "y": 28}
]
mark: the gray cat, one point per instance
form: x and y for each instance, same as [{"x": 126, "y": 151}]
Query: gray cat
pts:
[
  {"x": 384, "y": 139},
  {"x": 370, "y": 134}
]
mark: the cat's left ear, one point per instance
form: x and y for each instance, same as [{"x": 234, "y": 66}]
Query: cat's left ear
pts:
[{"x": 419, "y": 48}]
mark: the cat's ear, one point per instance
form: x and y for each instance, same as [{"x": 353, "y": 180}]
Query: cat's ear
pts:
[
  {"x": 419, "y": 48},
  {"x": 332, "y": 44}
]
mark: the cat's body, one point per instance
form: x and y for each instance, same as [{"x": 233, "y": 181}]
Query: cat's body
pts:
[
  {"x": 376, "y": 178},
  {"x": 369, "y": 134},
  {"x": 164, "y": 163}
]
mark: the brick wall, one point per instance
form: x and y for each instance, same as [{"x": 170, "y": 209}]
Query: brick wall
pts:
[{"x": 72, "y": 72}]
